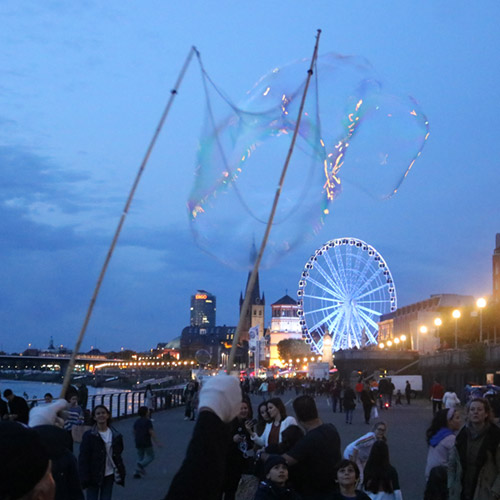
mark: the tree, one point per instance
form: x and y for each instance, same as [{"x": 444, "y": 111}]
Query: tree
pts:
[{"x": 292, "y": 349}]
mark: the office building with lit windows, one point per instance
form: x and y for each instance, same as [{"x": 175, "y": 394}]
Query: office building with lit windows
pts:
[{"x": 203, "y": 306}]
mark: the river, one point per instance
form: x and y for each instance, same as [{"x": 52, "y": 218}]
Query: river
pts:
[{"x": 36, "y": 390}]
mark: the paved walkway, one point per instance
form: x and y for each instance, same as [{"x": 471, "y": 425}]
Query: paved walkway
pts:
[{"x": 406, "y": 438}]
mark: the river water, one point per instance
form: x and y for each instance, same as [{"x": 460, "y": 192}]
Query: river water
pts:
[{"x": 36, "y": 390}]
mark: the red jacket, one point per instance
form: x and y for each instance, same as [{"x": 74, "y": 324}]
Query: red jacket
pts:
[{"x": 437, "y": 391}]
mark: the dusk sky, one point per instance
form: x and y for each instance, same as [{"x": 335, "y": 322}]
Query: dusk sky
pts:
[{"x": 82, "y": 87}]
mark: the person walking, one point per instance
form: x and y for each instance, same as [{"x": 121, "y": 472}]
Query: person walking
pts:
[
  {"x": 189, "y": 401},
  {"x": 437, "y": 393},
  {"x": 349, "y": 403},
  {"x": 100, "y": 462},
  {"x": 144, "y": 436},
  {"x": 474, "y": 464},
  {"x": 450, "y": 399},
  {"x": 149, "y": 398},
  {"x": 368, "y": 401},
  {"x": 408, "y": 392},
  {"x": 336, "y": 397}
]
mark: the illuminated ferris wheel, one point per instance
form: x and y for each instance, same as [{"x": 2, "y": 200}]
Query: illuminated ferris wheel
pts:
[{"x": 344, "y": 289}]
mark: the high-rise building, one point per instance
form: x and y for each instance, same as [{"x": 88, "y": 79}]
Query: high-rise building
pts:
[
  {"x": 496, "y": 271},
  {"x": 203, "y": 309}
]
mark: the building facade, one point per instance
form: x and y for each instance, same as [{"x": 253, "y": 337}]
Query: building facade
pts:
[
  {"x": 203, "y": 307},
  {"x": 409, "y": 320},
  {"x": 284, "y": 325}
]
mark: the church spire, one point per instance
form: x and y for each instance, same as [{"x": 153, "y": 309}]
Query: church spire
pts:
[{"x": 255, "y": 297}]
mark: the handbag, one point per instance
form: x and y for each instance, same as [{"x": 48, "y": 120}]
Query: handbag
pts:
[
  {"x": 247, "y": 487},
  {"x": 374, "y": 412}
]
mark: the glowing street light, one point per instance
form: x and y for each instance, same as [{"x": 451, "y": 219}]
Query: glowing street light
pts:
[
  {"x": 456, "y": 314},
  {"x": 481, "y": 304},
  {"x": 396, "y": 340},
  {"x": 403, "y": 338},
  {"x": 381, "y": 345},
  {"x": 389, "y": 343}
]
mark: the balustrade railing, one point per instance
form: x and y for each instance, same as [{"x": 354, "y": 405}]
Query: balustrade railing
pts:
[{"x": 125, "y": 404}]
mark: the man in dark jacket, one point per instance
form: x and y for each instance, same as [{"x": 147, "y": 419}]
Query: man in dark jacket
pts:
[
  {"x": 18, "y": 408},
  {"x": 318, "y": 451}
]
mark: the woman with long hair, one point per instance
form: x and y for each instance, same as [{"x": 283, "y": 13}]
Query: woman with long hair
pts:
[
  {"x": 279, "y": 421},
  {"x": 381, "y": 480},
  {"x": 100, "y": 462},
  {"x": 240, "y": 459},
  {"x": 262, "y": 418},
  {"x": 474, "y": 465}
]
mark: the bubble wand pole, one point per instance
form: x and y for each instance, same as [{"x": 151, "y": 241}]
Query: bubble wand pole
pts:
[
  {"x": 173, "y": 93},
  {"x": 255, "y": 270}
]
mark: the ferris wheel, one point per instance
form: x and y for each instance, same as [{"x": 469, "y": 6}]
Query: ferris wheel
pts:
[{"x": 344, "y": 289}]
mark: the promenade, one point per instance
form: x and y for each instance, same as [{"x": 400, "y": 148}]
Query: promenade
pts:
[{"x": 406, "y": 439}]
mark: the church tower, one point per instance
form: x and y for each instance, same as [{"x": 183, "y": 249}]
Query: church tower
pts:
[{"x": 255, "y": 313}]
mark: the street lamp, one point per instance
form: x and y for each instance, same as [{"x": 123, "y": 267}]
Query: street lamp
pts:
[
  {"x": 423, "y": 330},
  {"x": 403, "y": 339},
  {"x": 381, "y": 345},
  {"x": 481, "y": 303},
  {"x": 456, "y": 314},
  {"x": 389, "y": 343}
]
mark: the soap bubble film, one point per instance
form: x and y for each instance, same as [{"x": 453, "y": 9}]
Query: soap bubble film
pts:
[{"x": 355, "y": 134}]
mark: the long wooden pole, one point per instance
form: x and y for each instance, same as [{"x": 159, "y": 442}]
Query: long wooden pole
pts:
[
  {"x": 255, "y": 270},
  {"x": 173, "y": 93}
]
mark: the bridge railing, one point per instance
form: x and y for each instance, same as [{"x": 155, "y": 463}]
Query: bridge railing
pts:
[{"x": 125, "y": 404}]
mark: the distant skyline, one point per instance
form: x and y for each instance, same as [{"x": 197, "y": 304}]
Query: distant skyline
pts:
[{"x": 82, "y": 87}]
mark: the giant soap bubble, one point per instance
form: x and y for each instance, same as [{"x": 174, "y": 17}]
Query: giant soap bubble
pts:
[{"x": 354, "y": 131}]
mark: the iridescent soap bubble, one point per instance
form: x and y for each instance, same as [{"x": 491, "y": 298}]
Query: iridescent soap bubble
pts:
[
  {"x": 202, "y": 356},
  {"x": 354, "y": 130}
]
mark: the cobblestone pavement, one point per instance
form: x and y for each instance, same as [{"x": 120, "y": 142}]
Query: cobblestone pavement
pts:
[{"x": 406, "y": 438}]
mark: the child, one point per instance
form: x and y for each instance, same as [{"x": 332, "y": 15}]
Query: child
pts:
[
  {"x": 347, "y": 473},
  {"x": 398, "y": 397},
  {"x": 274, "y": 487},
  {"x": 143, "y": 433}
]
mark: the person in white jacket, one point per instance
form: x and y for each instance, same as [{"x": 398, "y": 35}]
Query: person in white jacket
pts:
[
  {"x": 450, "y": 399},
  {"x": 279, "y": 422}
]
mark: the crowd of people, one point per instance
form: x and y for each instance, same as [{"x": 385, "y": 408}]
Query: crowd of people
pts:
[
  {"x": 233, "y": 455},
  {"x": 47, "y": 468}
]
